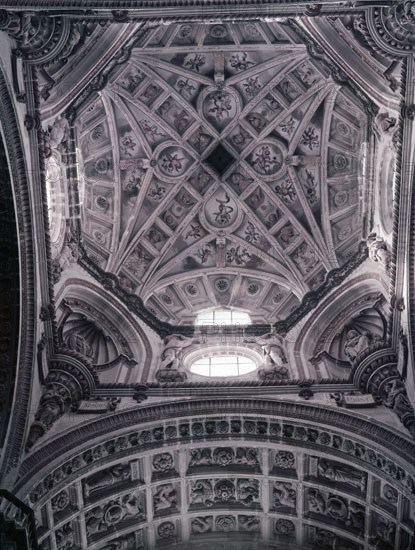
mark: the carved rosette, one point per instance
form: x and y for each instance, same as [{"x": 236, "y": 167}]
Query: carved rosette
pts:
[
  {"x": 392, "y": 29},
  {"x": 42, "y": 39}
]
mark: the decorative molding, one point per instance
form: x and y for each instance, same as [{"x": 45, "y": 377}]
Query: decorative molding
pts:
[
  {"x": 18, "y": 169},
  {"x": 285, "y": 422}
]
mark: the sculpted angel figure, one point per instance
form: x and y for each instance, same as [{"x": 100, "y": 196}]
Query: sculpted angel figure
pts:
[
  {"x": 377, "y": 250},
  {"x": 274, "y": 357},
  {"x": 173, "y": 346},
  {"x": 343, "y": 474},
  {"x": 356, "y": 343}
]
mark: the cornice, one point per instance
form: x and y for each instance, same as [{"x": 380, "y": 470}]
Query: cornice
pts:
[
  {"x": 135, "y": 430},
  {"x": 18, "y": 168}
]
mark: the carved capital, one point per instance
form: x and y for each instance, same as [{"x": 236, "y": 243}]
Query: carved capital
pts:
[{"x": 65, "y": 386}]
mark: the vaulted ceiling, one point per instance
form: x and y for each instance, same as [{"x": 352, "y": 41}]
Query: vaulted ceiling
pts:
[{"x": 222, "y": 165}]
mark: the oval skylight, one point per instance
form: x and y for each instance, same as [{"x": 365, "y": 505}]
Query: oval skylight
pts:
[
  {"x": 223, "y": 366},
  {"x": 222, "y": 317}
]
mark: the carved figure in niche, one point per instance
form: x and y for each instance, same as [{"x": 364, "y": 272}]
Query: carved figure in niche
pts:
[
  {"x": 200, "y": 457},
  {"x": 272, "y": 345},
  {"x": 56, "y": 135},
  {"x": 378, "y": 251},
  {"x": 356, "y": 343},
  {"x": 202, "y": 492},
  {"x": 284, "y": 495},
  {"x": 165, "y": 498},
  {"x": 173, "y": 346},
  {"x": 343, "y": 473},
  {"x": 106, "y": 478},
  {"x": 274, "y": 357},
  {"x": 202, "y": 524},
  {"x": 70, "y": 251},
  {"x": 249, "y": 523},
  {"x": 316, "y": 501},
  {"x": 247, "y": 491}
]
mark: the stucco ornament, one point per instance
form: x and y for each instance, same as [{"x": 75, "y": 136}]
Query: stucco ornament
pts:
[{"x": 274, "y": 357}]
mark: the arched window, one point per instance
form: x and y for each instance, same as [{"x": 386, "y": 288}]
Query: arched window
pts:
[
  {"x": 222, "y": 317},
  {"x": 223, "y": 366}
]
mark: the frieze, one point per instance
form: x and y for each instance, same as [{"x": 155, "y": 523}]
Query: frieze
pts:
[{"x": 284, "y": 431}]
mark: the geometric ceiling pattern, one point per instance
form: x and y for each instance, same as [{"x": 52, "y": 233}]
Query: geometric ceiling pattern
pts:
[{"x": 221, "y": 166}]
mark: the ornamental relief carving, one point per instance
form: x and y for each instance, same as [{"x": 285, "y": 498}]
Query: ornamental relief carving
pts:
[
  {"x": 116, "y": 513},
  {"x": 220, "y": 118},
  {"x": 229, "y": 492},
  {"x": 165, "y": 498},
  {"x": 214, "y": 493},
  {"x": 225, "y": 457},
  {"x": 110, "y": 479}
]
